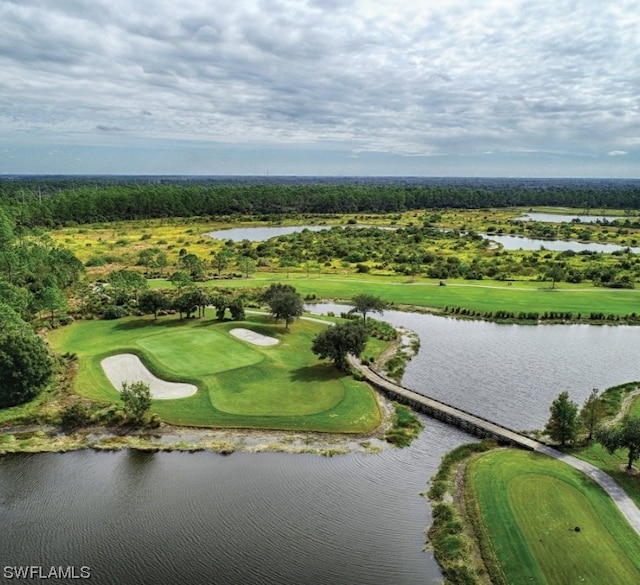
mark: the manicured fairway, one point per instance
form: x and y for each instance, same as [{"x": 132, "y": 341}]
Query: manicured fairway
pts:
[
  {"x": 531, "y": 506},
  {"x": 239, "y": 384},
  {"x": 480, "y": 296}
]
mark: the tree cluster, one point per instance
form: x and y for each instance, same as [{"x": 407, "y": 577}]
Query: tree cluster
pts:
[
  {"x": 34, "y": 276},
  {"x": 566, "y": 422}
]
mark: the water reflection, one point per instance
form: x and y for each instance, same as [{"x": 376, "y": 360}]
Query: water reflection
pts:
[{"x": 202, "y": 518}]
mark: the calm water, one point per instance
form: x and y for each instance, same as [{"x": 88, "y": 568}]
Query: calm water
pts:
[
  {"x": 559, "y": 218},
  {"x": 511, "y": 373},
  {"x": 202, "y": 518},
  {"x": 260, "y": 234},
  {"x": 518, "y": 243},
  {"x": 271, "y": 518}
]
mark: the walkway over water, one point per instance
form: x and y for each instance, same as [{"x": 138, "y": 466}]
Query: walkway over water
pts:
[
  {"x": 483, "y": 428},
  {"x": 470, "y": 423}
]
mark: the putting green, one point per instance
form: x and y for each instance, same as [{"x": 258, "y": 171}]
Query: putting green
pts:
[
  {"x": 239, "y": 384},
  {"x": 197, "y": 352},
  {"x": 548, "y": 523}
]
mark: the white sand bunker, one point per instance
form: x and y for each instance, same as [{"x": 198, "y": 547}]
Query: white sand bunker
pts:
[
  {"x": 127, "y": 367},
  {"x": 253, "y": 337}
]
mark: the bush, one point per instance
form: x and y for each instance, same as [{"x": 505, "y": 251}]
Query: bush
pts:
[
  {"x": 114, "y": 312},
  {"x": 25, "y": 367},
  {"x": 74, "y": 416}
]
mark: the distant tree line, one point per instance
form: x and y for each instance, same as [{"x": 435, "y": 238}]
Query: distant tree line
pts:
[{"x": 56, "y": 201}]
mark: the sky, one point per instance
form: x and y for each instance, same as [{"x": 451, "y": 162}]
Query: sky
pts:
[{"x": 505, "y": 88}]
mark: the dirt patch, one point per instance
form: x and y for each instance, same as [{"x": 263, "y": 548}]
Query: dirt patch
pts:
[{"x": 127, "y": 367}]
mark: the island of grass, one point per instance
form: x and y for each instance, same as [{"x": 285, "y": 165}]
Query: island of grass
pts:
[
  {"x": 240, "y": 384},
  {"x": 544, "y": 522}
]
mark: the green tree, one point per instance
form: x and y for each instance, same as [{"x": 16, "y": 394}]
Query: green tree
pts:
[
  {"x": 237, "y": 309},
  {"x": 563, "y": 423},
  {"x": 193, "y": 265},
  {"x": 247, "y": 265},
  {"x": 591, "y": 413},
  {"x": 219, "y": 301},
  {"x": 52, "y": 299},
  {"x": 153, "y": 258},
  {"x": 222, "y": 260},
  {"x": 625, "y": 435},
  {"x": 555, "y": 273},
  {"x": 10, "y": 321},
  {"x": 136, "y": 397},
  {"x": 366, "y": 303},
  {"x": 285, "y": 304},
  {"x": 336, "y": 342},
  {"x": 288, "y": 262},
  {"x": 25, "y": 367},
  {"x": 180, "y": 279},
  {"x": 187, "y": 303},
  {"x": 126, "y": 283},
  {"x": 152, "y": 301}
]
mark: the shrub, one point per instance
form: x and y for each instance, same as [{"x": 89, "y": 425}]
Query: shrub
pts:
[
  {"x": 114, "y": 312},
  {"x": 74, "y": 416}
]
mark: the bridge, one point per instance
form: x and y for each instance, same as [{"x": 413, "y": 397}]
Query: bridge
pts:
[
  {"x": 483, "y": 428},
  {"x": 470, "y": 423}
]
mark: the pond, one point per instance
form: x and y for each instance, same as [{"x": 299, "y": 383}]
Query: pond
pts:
[
  {"x": 521, "y": 243},
  {"x": 261, "y": 234},
  {"x": 562, "y": 218}
]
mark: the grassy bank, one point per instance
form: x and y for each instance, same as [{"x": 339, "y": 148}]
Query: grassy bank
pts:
[{"x": 239, "y": 385}]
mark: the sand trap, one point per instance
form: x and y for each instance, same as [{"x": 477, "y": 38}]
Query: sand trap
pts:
[
  {"x": 253, "y": 337},
  {"x": 126, "y": 367}
]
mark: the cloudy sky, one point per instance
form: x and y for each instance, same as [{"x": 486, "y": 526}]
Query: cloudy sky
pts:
[{"x": 547, "y": 88}]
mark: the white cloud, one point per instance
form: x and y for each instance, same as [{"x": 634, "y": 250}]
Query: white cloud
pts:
[{"x": 449, "y": 78}]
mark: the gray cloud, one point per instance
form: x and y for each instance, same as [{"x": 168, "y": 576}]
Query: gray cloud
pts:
[{"x": 458, "y": 78}]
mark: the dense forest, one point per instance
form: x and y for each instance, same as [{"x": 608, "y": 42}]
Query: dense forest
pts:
[{"x": 55, "y": 201}]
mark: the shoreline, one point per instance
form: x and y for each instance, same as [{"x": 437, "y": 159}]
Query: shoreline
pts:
[{"x": 167, "y": 438}]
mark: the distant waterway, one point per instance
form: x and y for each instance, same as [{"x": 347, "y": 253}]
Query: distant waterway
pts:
[
  {"x": 565, "y": 218},
  {"x": 520, "y": 243},
  {"x": 261, "y": 234}
]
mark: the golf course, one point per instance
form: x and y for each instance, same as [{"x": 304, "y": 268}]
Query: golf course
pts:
[
  {"x": 544, "y": 522},
  {"x": 240, "y": 382}
]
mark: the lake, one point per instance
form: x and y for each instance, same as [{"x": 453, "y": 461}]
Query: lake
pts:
[
  {"x": 520, "y": 243},
  {"x": 562, "y": 218},
  {"x": 260, "y": 234},
  {"x": 510, "y": 373},
  {"x": 274, "y": 518},
  {"x": 203, "y": 518}
]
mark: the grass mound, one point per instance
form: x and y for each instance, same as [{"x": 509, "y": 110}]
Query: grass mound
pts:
[{"x": 239, "y": 384}]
